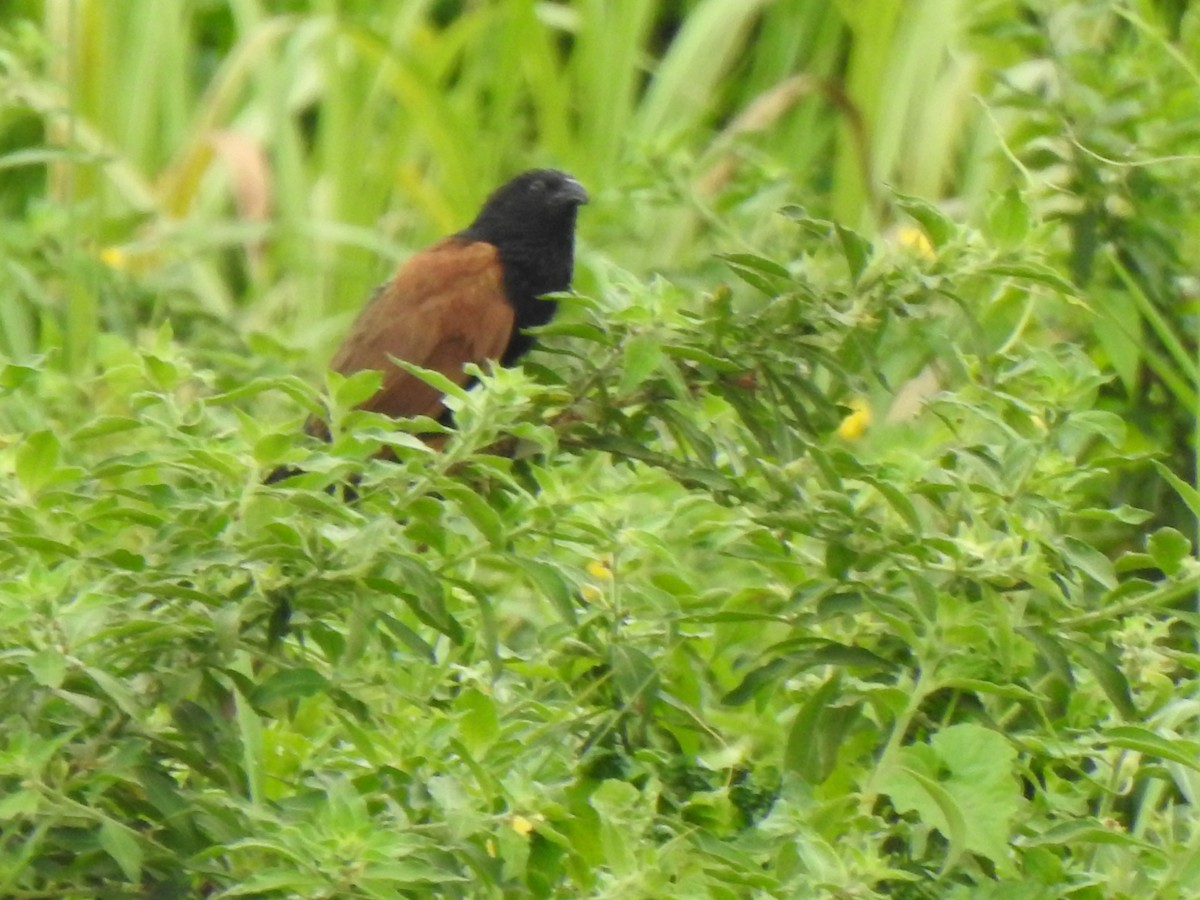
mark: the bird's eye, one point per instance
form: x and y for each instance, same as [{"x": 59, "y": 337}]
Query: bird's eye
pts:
[{"x": 537, "y": 187}]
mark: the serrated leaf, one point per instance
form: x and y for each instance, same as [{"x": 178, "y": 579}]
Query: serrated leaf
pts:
[
  {"x": 115, "y": 691},
  {"x": 1100, "y": 423},
  {"x": 429, "y": 376},
  {"x": 913, "y": 791},
  {"x": 971, "y": 768}
]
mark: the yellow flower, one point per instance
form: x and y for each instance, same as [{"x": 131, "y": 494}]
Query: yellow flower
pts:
[
  {"x": 591, "y": 593},
  {"x": 855, "y": 425},
  {"x": 916, "y": 240},
  {"x": 114, "y": 258},
  {"x": 599, "y": 569},
  {"x": 522, "y": 826}
]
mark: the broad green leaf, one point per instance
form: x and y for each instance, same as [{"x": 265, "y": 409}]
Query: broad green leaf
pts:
[
  {"x": 914, "y": 791},
  {"x": 37, "y": 459},
  {"x": 642, "y": 355},
  {"x": 480, "y": 513},
  {"x": 1169, "y": 548},
  {"x": 856, "y": 249},
  {"x": 289, "y": 684},
  {"x": 939, "y": 227},
  {"x": 974, "y": 772},
  {"x": 122, "y": 845},
  {"x": 478, "y": 721},
  {"x": 1089, "y": 560},
  {"x": 802, "y": 752},
  {"x": 1009, "y": 219},
  {"x": 551, "y": 583},
  {"x": 49, "y": 667}
]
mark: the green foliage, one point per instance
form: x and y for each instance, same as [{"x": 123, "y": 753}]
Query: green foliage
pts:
[{"x": 841, "y": 549}]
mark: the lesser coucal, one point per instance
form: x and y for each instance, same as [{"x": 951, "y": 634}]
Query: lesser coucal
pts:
[{"x": 467, "y": 298}]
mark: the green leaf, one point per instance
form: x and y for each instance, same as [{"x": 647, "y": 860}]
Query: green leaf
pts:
[
  {"x": 19, "y": 804},
  {"x": 1009, "y": 219},
  {"x": 351, "y": 390},
  {"x": 634, "y": 673},
  {"x": 755, "y": 680},
  {"x": 1169, "y": 548},
  {"x": 757, "y": 263},
  {"x": 803, "y": 753},
  {"x": 1110, "y": 678},
  {"x": 289, "y": 684},
  {"x": 1108, "y": 426},
  {"x": 422, "y": 593},
  {"x": 1089, "y": 831},
  {"x": 1186, "y": 492},
  {"x": 121, "y": 696},
  {"x": 1142, "y": 740},
  {"x": 48, "y": 667},
  {"x": 1028, "y": 271},
  {"x": 250, "y": 730},
  {"x": 37, "y": 459},
  {"x": 122, "y": 845},
  {"x": 856, "y": 249},
  {"x": 476, "y": 509},
  {"x": 914, "y": 791},
  {"x": 938, "y": 227},
  {"x": 642, "y": 355},
  {"x": 408, "y": 637},
  {"x": 898, "y": 500},
  {"x": 478, "y": 721},
  {"x": 1089, "y": 560},
  {"x": 971, "y": 769},
  {"x": 551, "y": 584},
  {"x": 430, "y": 377}
]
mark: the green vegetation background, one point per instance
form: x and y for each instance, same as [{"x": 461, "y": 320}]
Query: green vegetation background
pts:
[{"x": 838, "y": 541}]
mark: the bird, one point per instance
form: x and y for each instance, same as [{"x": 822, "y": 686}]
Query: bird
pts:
[{"x": 468, "y": 298}]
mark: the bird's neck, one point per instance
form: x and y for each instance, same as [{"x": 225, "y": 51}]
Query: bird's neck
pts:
[{"x": 534, "y": 264}]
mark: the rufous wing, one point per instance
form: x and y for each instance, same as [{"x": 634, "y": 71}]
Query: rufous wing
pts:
[{"x": 444, "y": 308}]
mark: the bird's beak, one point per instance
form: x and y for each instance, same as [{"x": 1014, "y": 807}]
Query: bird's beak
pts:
[{"x": 573, "y": 192}]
